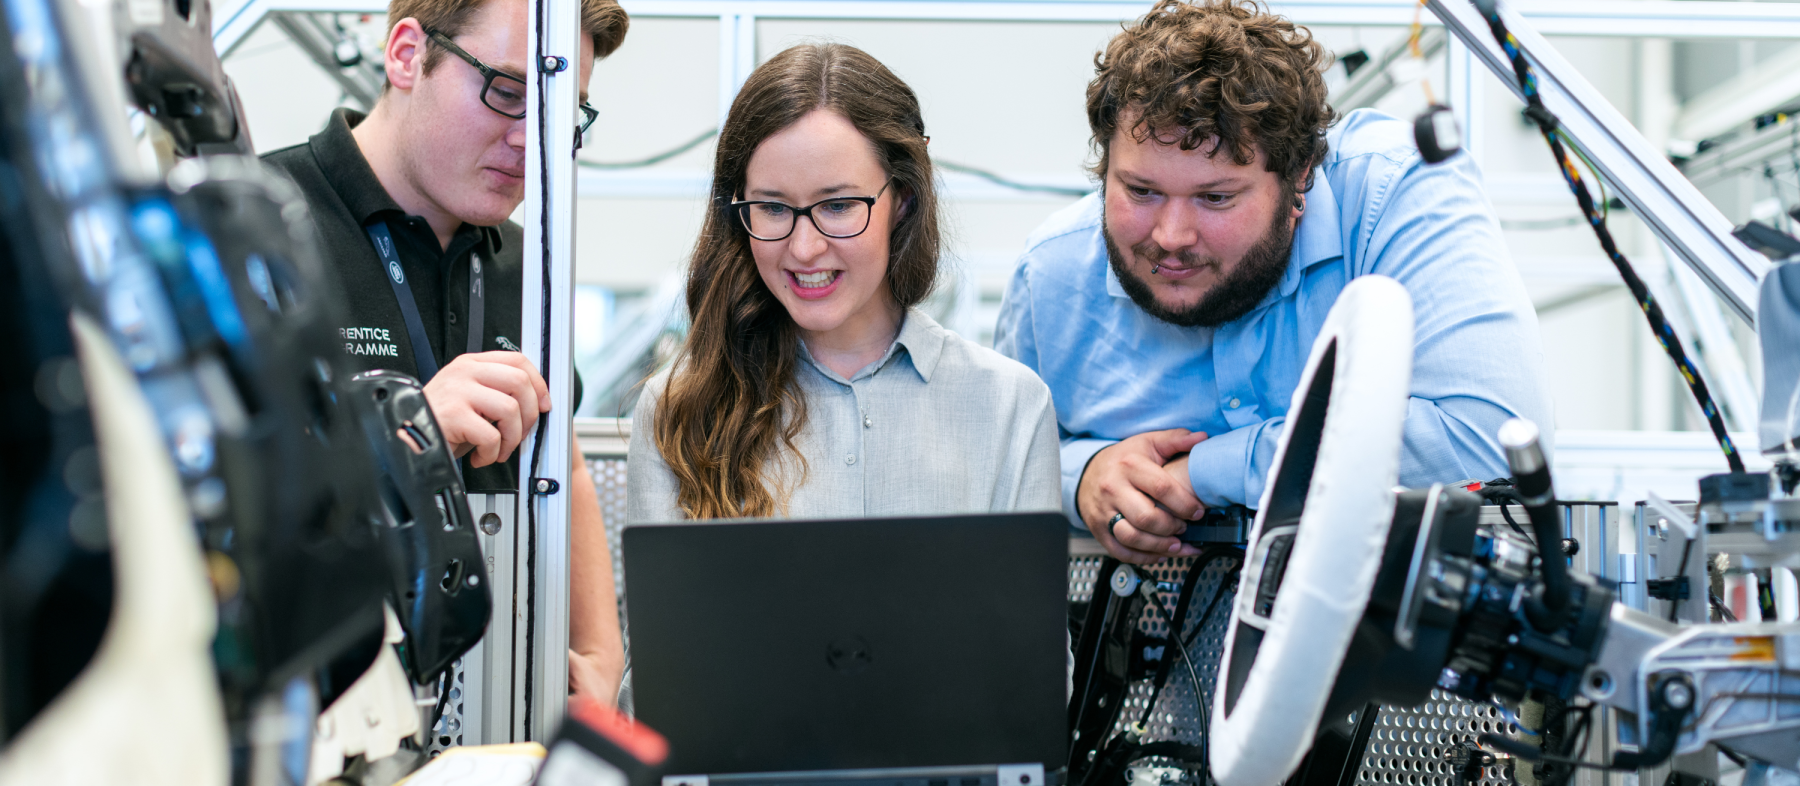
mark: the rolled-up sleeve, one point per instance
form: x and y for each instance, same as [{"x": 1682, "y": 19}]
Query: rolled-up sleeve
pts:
[{"x": 1231, "y": 468}]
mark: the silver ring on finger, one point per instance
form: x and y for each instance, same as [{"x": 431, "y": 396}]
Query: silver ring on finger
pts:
[{"x": 1116, "y": 518}]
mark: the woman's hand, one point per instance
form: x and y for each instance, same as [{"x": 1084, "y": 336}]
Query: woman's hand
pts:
[{"x": 588, "y": 677}]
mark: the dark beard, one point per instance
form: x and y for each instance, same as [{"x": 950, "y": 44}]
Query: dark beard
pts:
[{"x": 1235, "y": 294}]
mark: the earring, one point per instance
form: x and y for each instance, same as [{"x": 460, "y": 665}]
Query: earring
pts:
[{"x": 1300, "y": 203}]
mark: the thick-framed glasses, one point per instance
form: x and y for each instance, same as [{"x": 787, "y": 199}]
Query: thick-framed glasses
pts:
[
  {"x": 503, "y": 92},
  {"x": 838, "y": 217}
]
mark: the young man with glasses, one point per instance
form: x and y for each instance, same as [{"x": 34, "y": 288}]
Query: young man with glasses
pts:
[{"x": 411, "y": 204}]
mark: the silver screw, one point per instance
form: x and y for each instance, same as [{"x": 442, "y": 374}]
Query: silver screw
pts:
[{"x": 1677, "y": 694}]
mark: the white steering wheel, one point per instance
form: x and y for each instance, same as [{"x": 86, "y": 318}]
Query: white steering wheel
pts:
[{"x": 1318, "y": 538}]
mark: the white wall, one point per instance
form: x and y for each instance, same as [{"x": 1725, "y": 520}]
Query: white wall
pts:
[{"x": 1008, "y": 97}]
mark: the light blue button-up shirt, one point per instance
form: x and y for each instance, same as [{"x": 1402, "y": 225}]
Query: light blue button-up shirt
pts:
[{"x": 1374, "y": 208}]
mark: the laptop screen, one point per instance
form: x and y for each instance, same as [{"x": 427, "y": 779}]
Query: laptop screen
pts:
[{"x": 781, "y": 646}]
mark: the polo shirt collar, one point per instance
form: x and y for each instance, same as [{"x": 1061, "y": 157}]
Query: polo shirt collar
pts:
[
  {"x": 350, "y": 175},
  {"x": 1318, "y": 238}
]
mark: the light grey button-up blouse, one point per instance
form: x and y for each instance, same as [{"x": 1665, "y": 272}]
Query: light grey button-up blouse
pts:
[{"x": 938, "y": 425}]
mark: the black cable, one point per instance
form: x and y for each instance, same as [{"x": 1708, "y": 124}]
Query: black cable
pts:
[
  {"x": 1718, "y": 605},
  {"x": 1188, "y": 584},
  {"x": 1506, "y": 513},
  {"x": 1653, "y": 313},
  {"x": 1735, "y": 759},
  {"x": 1205, "y": 559},
  {"x": 537, "y": 445},
  {"x": 1012, "y": 184},
  {"x": 1224, "y": 581},
  {"x": 952, "y": 166},
  {"x": 1149, "y": 592},
  {"x": 1568, "y": 754},
  {"x": 1681, "y": 573},
  {"x": 1501, "y": 492}
]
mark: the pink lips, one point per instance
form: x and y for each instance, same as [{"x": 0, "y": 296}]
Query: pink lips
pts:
[{"x": 812, "y": 293}]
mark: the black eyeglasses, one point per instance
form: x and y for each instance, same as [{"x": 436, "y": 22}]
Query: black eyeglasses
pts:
[
  {"x": 837, "y": 217},
  {"x": 503, "y": 92}
]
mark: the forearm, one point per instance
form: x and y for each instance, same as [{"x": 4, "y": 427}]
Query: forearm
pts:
[
  {"x": 593, "y": 603},
  {"x": 1444, "y": 441}
]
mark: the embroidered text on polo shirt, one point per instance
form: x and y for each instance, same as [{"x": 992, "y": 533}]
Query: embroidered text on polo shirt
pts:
[{"x": 369, "y": 341}]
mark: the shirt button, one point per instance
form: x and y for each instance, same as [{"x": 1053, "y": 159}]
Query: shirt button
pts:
[
  {"x": 867, "y": 423},
  {"x": 452, "y": 317},
  {"x": 850, "y": 459},
  {"x": 1234, "y": 403}
]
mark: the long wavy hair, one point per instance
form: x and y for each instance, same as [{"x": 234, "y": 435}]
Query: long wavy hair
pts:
[{"x": 727, "y": 420}]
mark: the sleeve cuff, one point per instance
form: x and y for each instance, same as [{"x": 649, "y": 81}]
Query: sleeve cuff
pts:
[
  {"x": 1221, "y": 468},
  {"x": 1076, "y": 453}
]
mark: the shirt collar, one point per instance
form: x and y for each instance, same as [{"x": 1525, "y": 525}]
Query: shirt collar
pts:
[
  {"x": 924, "y": 341},
  {"x": 1318, "y": 238},
  {"x": 350, "y": 175},
  {"x": 921, "y": 337}
]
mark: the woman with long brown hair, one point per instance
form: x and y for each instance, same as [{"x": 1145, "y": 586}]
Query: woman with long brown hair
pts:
[{"x": 809, "y": 385}]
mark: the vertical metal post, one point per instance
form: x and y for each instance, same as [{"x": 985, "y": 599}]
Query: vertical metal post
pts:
[
  {"x": 555, "y": 30},
  {"x": 1465, "y": 95},
  {"x": 737, "y": 57}
]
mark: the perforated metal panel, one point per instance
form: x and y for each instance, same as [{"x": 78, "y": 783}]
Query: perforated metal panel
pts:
[
  {"x": 609, "y": 481},
  {"x": 1408, "y": 746},
  {"x": 1176, "y": 715}
]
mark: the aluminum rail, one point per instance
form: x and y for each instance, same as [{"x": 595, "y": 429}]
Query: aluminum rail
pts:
[
  {"x": 549, "y": 236},
  {"x": 362, "y": 82},
  {"x": 1747, "y": 153},
  {"x": 1671, "y": 206},
  {"x": 1376, "y": 79}
]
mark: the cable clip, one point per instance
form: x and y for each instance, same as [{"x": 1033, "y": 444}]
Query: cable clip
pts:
[
  {"x": 544, "y": 487},
  {"x": 553, "y": 64},
  {"x": 1545, "y": 121}
]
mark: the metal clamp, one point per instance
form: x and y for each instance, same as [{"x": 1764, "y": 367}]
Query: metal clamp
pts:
[
  {"x": 544, "y": 487},
  {"x": 553, "y": 64}
]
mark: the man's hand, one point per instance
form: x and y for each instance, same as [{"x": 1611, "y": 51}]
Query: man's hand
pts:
[
  {"x": 1130, "y": 478},
  {"x": 487, "y": 402},
  {"x": 588, "y": 678}
]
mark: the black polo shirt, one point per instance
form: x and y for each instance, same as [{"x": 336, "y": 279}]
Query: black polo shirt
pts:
[{"x": 345, "y": 197}]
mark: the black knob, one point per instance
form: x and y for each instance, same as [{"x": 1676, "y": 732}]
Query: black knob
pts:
[{"x": 1570, "y": 547}]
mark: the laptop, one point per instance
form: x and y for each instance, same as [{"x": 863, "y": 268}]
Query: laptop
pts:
[{"x": 909, "y": 651}]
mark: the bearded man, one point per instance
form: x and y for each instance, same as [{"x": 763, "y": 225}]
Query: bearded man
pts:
[{"x": 1172, "y": 312}]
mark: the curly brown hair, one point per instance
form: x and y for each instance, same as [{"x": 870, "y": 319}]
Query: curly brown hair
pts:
[{"x": 1224, "y": 69}]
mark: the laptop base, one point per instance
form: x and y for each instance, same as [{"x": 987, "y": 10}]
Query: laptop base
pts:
[{"x": 988, "y": 775}]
